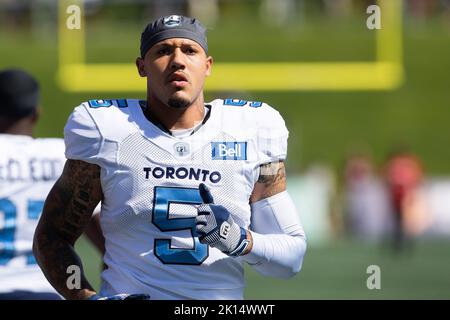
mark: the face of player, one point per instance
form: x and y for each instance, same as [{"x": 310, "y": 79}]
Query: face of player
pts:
[{"x": 176, "y": 70}]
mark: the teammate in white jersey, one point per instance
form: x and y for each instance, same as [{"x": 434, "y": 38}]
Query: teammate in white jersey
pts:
[
  {"x": 28, "y": 169},
  {"x": 190, "y": 190}
]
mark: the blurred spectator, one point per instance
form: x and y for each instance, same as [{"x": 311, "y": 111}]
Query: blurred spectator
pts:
[
  {"x": 14, "y": 13},
  {"x": 366, "y": 202},
  {"x": 159, "y": 8},
  {"x": 404, "y": 175},
  {"x": 445, "y": 16},
  {"x": 338, "y": 7},
  {"x": 206, "y": 11},
  {"x": 277, "y": 12},
  {"x": 313, "y": 193},
  {"x": 422, "y": 8}
]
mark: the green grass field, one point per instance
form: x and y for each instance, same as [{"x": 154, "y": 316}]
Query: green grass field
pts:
[
  {"x": 323, "y": 126},
  {"x": 338, "y": 271}
]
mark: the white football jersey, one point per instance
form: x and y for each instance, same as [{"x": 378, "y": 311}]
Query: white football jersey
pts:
[
  {"x": 28, "y": 170},
  {"x": 150, "y": 183}
]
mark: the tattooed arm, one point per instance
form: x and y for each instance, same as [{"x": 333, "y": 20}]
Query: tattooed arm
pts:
[
  {"x": 278, "y": 242},
  {"x": 67, "y": 210},
  {"x": 272, "y": 180}
]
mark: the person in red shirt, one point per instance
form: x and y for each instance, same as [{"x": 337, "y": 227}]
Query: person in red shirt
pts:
[{"x": 404, "y": 175}]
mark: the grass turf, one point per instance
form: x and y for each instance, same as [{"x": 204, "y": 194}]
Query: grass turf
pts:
[{"x": 339, "y": 271}]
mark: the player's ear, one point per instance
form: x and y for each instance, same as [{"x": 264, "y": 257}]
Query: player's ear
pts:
[
  {"x": 33, "y": 118},
  {"x": 209, "y": 63},
  {"x": 36, "y": 114},
  {"x": 140, "y": 67}
]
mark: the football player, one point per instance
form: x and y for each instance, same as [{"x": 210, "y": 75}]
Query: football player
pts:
[
  {"x": 28, "y": 169},
  {"x": 190, "y": 190}
]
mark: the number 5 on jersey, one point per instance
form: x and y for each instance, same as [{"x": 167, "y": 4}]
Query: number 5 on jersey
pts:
[{"x": 163, "y": 197}]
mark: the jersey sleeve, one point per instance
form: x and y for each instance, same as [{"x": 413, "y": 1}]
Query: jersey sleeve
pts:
[
  {"x": 81, "y": 137},
  {"x": 272, "y": 136}
]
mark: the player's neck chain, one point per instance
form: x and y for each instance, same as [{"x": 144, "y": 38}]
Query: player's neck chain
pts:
[{"x": 157, "y": 123}]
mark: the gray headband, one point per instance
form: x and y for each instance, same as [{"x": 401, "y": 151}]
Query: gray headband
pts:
[{"x": 173, "y": 27}]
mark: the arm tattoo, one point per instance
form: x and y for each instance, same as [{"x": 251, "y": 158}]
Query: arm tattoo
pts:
[
  {"x": 67, "y": 210},
  {"x": 81, "y": 186},
  {"x": 270, "y": 173},
  {"x": 272, "y": 180}
]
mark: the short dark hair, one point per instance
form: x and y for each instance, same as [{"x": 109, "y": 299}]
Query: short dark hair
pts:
[{"x": 19, "y": 93}]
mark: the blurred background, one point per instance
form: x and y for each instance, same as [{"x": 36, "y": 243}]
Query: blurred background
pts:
[{"x": 368, "y": 167}]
